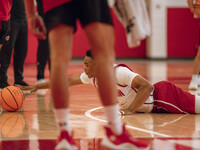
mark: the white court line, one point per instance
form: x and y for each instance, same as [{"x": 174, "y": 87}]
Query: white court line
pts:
[{"x": 88, "y": 114}]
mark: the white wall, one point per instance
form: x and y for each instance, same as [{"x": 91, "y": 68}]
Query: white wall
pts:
[{"x": 157, "y": 42}]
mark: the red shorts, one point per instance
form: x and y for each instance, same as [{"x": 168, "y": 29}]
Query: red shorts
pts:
[{"x": 171, "y": 99}]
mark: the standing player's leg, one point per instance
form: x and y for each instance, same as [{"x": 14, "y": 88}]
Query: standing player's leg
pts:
[
  {"x": 60, "y": 38},
  {"x": 102, "y": 42},
  {"x": 42, "y": 59},
  {"x": 42, "y": 50},
  {"x": 61, "y": 23},
  {"x": 6, "y": 53},
  {"x": 99, "y": 30},
  {"x": 4, "y": 29},
  {"x": 196, "y": 69},
  {"x": 20, "y": 52},
  {"x": 101, "y": 39},
  {"x": 100, "y": 33}
]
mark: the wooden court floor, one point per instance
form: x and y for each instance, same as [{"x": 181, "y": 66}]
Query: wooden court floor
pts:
[{"x": 33, "y": 126}]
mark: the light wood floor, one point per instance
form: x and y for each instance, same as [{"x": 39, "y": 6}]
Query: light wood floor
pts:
[{"x": 36, "y": 122}]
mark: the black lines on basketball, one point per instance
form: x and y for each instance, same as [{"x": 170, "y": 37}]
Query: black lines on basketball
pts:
[
  {"x": 6, "y": 102},
  {"x": 13, "y": 97}
]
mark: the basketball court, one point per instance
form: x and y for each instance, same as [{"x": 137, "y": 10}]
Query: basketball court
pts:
[{"x": 33, "y": 126}]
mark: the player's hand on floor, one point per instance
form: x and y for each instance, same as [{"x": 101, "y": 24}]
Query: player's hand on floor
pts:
[
  {"x": 125, "y": 112},
  {"x": 31, "y": 88}
]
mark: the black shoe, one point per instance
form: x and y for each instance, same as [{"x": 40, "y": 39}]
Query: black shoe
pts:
[
  {"x": 21, "y": 83},
  {"x": 3, "y": 84}
]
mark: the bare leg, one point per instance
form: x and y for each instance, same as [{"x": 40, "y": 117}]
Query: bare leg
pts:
[
  {"x": 60, "y": 44},
  {"x": 196, "y": 69},
  {"x": 102, "y": 43},
  {"x": 196, "y": 63},
  {"x": 101, "y": 39},
  {"x": 60, "y": 53}
]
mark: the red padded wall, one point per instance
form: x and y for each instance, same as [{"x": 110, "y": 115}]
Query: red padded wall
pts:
[{"x": 182, "y": 33}]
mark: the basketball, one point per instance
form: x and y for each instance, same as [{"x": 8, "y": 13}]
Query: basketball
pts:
[
  {"x": 11, "y": 124},
  {"x": 11, "y": 98}
]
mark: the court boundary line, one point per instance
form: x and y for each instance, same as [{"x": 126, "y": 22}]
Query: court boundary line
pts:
[{"x": 89, "y": 115}]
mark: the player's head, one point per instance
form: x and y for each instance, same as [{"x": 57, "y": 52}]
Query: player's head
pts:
[{"x": 89, "y": 65}]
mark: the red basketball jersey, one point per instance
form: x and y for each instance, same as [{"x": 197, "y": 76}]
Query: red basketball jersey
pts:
[{"x": 5, "y": 7}]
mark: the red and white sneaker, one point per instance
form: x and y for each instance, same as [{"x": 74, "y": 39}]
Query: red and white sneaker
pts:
[
  {"x": 65, "y": 142},
  {"x": 122, "y": 142}
]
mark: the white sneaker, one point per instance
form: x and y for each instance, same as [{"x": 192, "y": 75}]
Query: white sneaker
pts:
[
  {"x": 40, "y": 81},
  {"x": 122, "y": 142},
  {"x": 41, "y": 91},
  {"x": 65, "y": 142},
  {"x": 193, "y": 85}
]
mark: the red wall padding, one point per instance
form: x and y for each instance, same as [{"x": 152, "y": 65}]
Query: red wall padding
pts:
[{"x": 182, "y": 33}]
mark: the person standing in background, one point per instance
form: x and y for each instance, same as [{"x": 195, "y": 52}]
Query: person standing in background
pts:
[
  {"x": 43, "y": 49},
  {"x": 18, "y": 40},
  {"x": 5, "y": 7},
  {"x": 195, "y": 81}
]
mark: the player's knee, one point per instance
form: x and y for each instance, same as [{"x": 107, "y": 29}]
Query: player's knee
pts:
[
  {"x": 104, "y": 55},
  {"x": 60, "y": 59},
  {"x": 104, "y": 60}
]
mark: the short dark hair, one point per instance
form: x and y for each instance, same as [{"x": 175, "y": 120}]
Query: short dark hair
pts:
[{"x": 89, "y": 53}]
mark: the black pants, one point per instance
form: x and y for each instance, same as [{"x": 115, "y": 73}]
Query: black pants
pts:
[
  {"x": 18, "y": 41},
  {"x": 42, "y": 57},
  {"x": 4, "y": 29},
  {"x": 43, "y": 48}
]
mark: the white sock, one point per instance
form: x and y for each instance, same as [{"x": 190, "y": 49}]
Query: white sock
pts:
[
  {"x": 194, "y": 77},
  {"x": 198, "y": 80},
  {"x": 113, "y": 118},
  {"x": 61, "y": 116}
]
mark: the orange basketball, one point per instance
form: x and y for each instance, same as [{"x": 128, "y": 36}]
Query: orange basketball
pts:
[{"x": 11, "y": 98}]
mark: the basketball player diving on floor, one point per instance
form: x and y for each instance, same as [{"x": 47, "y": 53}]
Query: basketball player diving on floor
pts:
[{"x": 135, "y": 93}]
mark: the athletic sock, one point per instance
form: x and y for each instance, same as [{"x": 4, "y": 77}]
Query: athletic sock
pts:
[
  {"x": 194, "y": 77},
  {"x": 198, "y": 80},
  {"x": 113, "y": 118},
  {"x": 61, "y": 116}
]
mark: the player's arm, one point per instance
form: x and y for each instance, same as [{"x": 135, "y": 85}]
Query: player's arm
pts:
[
  {"x": 34, "y": 88},
  {"x": 73, "y": 80},
  {"x": 144, "y": 90}
]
